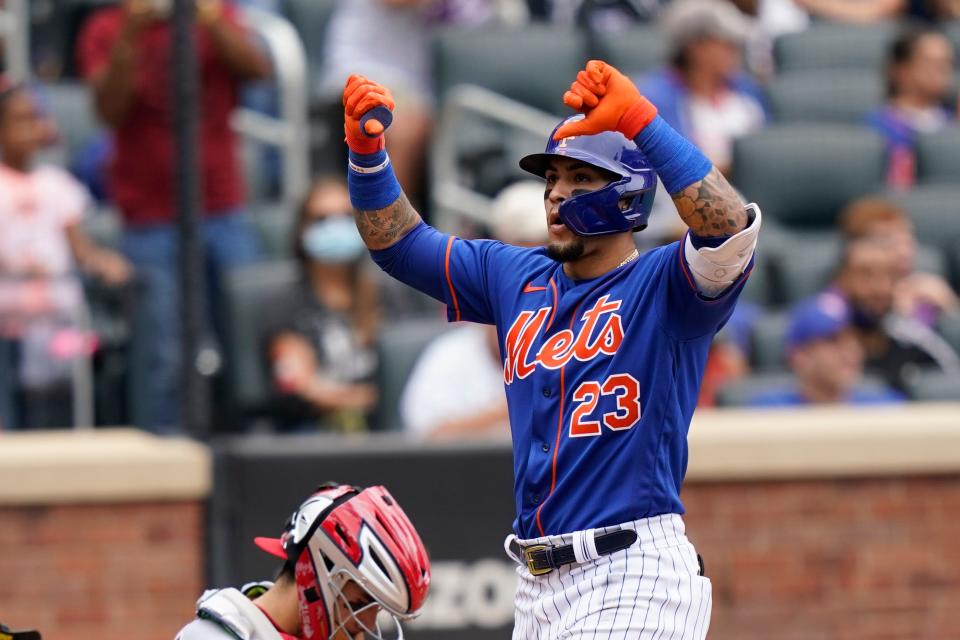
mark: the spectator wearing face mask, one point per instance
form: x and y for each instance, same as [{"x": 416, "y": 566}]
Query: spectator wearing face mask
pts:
[
  {"x": 319, "y": 335},
  {"x": 826, "y": 359}
]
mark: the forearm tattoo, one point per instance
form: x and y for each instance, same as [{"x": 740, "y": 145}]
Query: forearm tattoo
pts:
[
  {"x": 711, "y": 207},
  {"x": 382, "y": 228}
]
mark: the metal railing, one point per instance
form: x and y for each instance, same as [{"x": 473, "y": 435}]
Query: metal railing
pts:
[
  {"x": 289, "y": 131},
  {"x": 15, "y": 33},
  {"x": 452, "y": 198}
]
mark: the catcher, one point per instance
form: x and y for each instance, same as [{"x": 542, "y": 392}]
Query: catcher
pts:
[{"x": 349, "y": 554}]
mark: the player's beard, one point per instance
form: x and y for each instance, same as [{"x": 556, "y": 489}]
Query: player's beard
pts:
[{"x": 566, "y": 251}]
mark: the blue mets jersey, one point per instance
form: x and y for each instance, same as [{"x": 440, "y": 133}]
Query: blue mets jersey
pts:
[{"x": 601, "y": 375}]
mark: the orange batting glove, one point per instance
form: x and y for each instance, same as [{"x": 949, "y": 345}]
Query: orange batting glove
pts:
[
  {"x": 610, "y": 102},
  {"x": 361, "y": 95}
]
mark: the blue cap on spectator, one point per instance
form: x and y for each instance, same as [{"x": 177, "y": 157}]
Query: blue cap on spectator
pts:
[{"x": 821, "y": 317}]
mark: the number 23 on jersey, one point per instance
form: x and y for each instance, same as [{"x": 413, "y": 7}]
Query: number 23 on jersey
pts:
[{"x": 624, "y": 387}]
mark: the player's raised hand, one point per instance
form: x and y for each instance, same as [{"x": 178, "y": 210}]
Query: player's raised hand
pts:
[
  {"x": 367, "y": 112},
  {"x": 609, "y": 100}
]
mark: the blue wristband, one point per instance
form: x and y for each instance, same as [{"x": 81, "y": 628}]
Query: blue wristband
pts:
[
  {"x": 678, "y": 162},
  {"x": 371, "y": 181}
]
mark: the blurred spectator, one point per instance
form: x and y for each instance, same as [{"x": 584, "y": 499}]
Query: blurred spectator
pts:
[
  {"x": 895, "y": 346},
  {"x": 919, "y": 78},
  {"x": 942, "y": 9},
  {"x": 319, "y": 335},
  {"x": 601, "y": 15},
  {"x": 778, "y": 17},
  {"x": 389, "y": 41},
  {"x": 515, "y": 214},
  {"x": 922, "y": 296},
  {"x": 704, "y": 92},
  {"x": 855, "y": 11},
  {"x": 826, "y": 359},
  {"x": 273, "y": 6},
  {"x": 726, "y": 362},
  {"x": 125, "y": 55},
  {"x": 456, "y": 387},
  {"x": 42, "y": 307}
]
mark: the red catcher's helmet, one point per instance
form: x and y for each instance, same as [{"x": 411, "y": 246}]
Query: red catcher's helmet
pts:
[{"x": 342, "y": 534}]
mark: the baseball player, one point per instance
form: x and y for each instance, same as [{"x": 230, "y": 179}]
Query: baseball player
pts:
[
  {"x": 603, "y": 349},
  {"x": 348, "y": 555}
]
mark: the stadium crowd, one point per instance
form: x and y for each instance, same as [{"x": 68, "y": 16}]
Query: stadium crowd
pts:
[{"x": 839, "y": 117}]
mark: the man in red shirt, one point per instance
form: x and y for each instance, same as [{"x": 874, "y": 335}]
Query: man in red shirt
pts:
[{"x": 125, "y": 54}]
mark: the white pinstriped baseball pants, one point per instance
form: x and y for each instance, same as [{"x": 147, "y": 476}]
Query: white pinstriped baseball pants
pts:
[{"x": 651, "y": 590}]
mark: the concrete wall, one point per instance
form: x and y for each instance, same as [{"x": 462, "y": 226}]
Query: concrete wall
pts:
[
  {"x": 829, "y": 524},
  {"x": 101, "y": 534}
]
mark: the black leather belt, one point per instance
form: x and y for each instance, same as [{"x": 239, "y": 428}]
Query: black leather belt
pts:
[{"x": 541, "y": 559}]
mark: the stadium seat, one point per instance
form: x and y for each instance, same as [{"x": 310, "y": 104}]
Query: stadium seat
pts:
[
  {"x": 932, "y": 386},
  {"x": 948, "y": 326},
  {"x": 805, "y": 266},
  {"x": 534, "y": 65},
  {"x": 767, "y": 352},
  {"x": 835, "y": 46},
  {"x": 8, "y": 374},
  {"x": 953, "y": 263},
  {"x": 398, "y": 347},
  {"x": 935, "y": 211},
  {"x": 938, "y": 157},
  {"x": 274, "y": 224},
  {"x": 740, "y": 392},
  {"x": 932, "y": 260},
  {"x": 248, "y": 290},
  {"x": 952, "y": 29},
  {"x": 256, "y": 170},
  {"x": 840, "y": 95},
  {"x": 803, "y": 174},
  {"x": 311, "y": 19},
  {"x": 636, "y": 51},
  {"x": 104, "y": 226},
  {"x": 70, "y": 105},
  {"x": 759, "y": 287}
]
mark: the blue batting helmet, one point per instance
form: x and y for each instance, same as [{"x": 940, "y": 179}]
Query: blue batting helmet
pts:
[{"x": 622, "y": 205}]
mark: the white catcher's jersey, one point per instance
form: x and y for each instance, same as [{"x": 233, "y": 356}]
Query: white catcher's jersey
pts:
[
  {"x": 652, "y": 589},
  {"x": 227, "y": 614}
]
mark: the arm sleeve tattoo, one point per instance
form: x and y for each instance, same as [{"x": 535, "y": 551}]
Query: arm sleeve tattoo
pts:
[
  {"x": 711, "y": 207},
  {"x": 382, "y": 228}
]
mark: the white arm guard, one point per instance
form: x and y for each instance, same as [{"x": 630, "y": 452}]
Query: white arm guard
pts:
[{"x": 716, "y": 268}]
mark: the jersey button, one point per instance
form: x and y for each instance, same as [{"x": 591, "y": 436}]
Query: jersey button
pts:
[
  {"x": 546, "y": 392},
  {"x": 545, "y": 447},
  {"x": 536, "y": 498}
]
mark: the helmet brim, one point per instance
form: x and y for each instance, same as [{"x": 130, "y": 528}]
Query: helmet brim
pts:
[
  {"x": 273, "y": 546},
  {"x": 538, "y": 163}
]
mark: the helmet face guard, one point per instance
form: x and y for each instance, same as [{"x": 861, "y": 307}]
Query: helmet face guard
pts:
[
  {"x": 342, "y": 534},
  {"x": 622, "y": 205}
]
